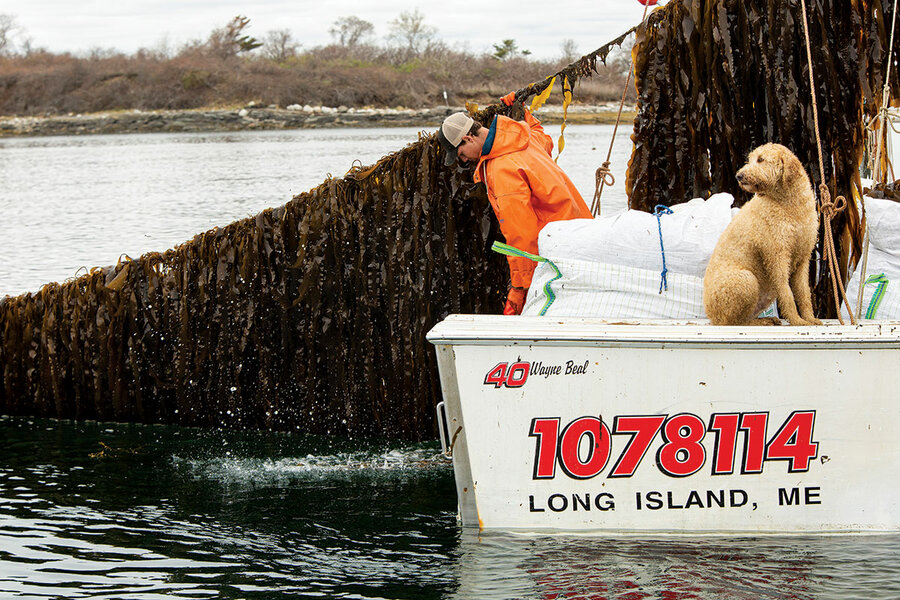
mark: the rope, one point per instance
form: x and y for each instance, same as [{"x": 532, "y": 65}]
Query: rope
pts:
[
  {"x": 882, "y": 136},
  {"x": 881, "y": 285},
  {"x": 603, "y": 176},
  {"x": 826, "y": 207},
  {"x": 507, "y": 250},
  {"x": 658, "y": 212}
]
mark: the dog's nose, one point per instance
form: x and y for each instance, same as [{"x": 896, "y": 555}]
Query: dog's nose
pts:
[{"x": 740, "y": 177}]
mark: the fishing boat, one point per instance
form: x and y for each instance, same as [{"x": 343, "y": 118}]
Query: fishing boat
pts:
[
  {"x": 593, "y": 425},
  {"x": 615, "y": 423}
]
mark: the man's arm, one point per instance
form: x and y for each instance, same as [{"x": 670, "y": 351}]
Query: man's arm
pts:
[
  {"x": 519, "y": 226},
  {"x": 537, "y": 130}
]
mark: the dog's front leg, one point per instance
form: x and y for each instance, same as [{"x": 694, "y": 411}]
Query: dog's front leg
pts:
[
  {"x": 802, "y": 293},
  {"x": 778, "y": 270}
]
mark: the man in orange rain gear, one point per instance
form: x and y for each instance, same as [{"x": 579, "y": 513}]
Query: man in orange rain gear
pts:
[{"x": 526, "y": 188}]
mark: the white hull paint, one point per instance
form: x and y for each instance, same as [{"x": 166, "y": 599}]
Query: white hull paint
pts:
[{"x": 589, "y": 425}]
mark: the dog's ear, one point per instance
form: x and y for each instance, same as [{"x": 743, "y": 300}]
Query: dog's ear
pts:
[{"x": 793, "y": 168}]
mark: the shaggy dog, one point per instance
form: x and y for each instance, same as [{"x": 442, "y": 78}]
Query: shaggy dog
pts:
[{"x": 764, "y": 252}]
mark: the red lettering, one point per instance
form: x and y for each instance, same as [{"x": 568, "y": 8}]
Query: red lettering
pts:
[
  {"x": 725, "y": 426},
  {"x": 598, "y": 447},
  {"x": 497, "y": 375},
  {"x": 643, "y": 430},
  {"x": 793, "y": 442},
  {"x": 755, "y": 424},
  {"x": 547, "y": 433},
  {"x": 682, "y": 454}
]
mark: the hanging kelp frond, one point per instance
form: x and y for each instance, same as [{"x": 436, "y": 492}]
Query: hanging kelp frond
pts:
[
  {"x": 716, "y": 78},
  {"x": 311, "y": 316}
]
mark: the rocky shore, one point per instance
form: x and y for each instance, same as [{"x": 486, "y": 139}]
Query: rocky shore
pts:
[{"x": 256, "y": 117}]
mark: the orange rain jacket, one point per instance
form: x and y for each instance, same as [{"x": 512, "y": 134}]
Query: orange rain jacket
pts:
[{"x": 526, "y": 188}]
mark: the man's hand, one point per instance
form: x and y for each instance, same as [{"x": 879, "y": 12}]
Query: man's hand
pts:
[
  {"x": 509, "y": 99},
  {"x": 515, "y": 301}
]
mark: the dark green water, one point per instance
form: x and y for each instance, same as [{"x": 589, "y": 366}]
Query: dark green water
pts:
[
  {"x": 96, "y": 510},
  {"x": 129, "y": 511}
]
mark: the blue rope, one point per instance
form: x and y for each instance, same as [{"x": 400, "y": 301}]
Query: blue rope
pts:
[{"x": 658, "y": 212}]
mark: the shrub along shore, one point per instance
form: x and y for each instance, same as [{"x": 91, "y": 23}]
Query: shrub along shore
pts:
[{"x": 270, "y": 117}]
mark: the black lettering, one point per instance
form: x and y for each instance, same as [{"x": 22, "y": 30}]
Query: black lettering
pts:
[
  {"x": 738, "y": 493},
  {"x": 637, "y": 499},
  {"x": 694, "y": 500},
  {"x": 711, "y": 497},
  {"x": 531, "y": 507},
  {"x": 565, "y": 503},
  {"x": 812, "y": 495},
  {"x": 790, "y": 500},
  {"x": 585, "y": 504},
  {"x": 654, "y": 500},
  {"x": 672, "y": 502},
  {"x": 610, "y": 503}
]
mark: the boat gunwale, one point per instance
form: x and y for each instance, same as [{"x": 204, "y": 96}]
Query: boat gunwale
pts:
[{"x": 581, "y": 331}]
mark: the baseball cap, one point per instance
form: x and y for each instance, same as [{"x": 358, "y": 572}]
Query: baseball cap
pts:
[{"x": 451, "y": 134}]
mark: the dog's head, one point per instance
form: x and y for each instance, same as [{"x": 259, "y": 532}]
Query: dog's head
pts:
[{"x": 771, "y": 167}]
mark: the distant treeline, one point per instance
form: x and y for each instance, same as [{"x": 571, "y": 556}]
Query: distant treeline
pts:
[{"x": 412, "y": 68}]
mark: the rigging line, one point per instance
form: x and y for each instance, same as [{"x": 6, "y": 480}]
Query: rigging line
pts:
[
  {"x": 603, "y": 175},
  {"x": 826, "y": 206}
]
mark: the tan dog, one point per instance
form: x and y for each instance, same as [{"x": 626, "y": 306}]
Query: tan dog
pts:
[{"x": 764, "y": 252}]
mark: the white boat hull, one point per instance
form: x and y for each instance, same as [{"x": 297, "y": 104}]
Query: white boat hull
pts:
[{"x": 585, "y": 425}]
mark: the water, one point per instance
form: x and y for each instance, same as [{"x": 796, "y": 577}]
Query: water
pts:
[
  {"x": 72, "y": 203},
  {"x": 92, "y": 510}
]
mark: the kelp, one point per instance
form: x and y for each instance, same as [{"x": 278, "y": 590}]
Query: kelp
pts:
[
  {"x": 716, "y": 78},
  {"x": 308, "y": 317},
  {"x": 312, "y": 316}
]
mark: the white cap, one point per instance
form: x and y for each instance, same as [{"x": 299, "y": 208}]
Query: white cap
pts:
[{"x": 451, "y": 134}]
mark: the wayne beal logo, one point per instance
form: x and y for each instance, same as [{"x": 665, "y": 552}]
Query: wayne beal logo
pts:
[{"x": 514, "y": 375}]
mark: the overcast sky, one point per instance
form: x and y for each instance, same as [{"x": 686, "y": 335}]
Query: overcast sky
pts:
[{"x": 536, "y": 25}]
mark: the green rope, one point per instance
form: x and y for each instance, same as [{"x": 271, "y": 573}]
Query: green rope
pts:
[
  {"x": 508, "y": 250},
  {"x": 878, "y": 296}
]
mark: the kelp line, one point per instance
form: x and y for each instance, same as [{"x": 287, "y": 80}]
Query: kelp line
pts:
[
  {"x": 309, "y": 317},
  {"x": 312, "y": 316},
  {"x": 716, "y": 78}
]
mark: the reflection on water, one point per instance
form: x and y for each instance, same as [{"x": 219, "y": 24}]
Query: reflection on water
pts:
[
  {"x": 81, "y": 202},
  {"x": 93, "y": 510},
  {"x": 508, "y": 566}
]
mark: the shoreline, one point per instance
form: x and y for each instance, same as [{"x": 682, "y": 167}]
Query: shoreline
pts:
[{"x": 250, "y": 118}]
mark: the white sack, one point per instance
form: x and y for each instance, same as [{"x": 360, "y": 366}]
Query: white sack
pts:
[
  {"x": 631, "y": 237},
  {"x": 611, "y": 266},
  {"x": 594, "y": 289},
  {"x": 884, "y": 257}
]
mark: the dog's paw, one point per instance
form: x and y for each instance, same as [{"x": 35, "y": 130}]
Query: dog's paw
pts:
[
  {"x": 767, "y": 321},
  {"x": 800, "y": 321}
]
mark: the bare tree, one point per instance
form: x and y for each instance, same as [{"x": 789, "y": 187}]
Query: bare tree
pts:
[
  {"x": 10, "y": 33},
  {"x": 351, "y": 31},
  {"x": 409, "y": 32},
  {"x": 228, "y": 41},
  {"x": 279, "y": 45},
  {"x": 569, "y": 50}
]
